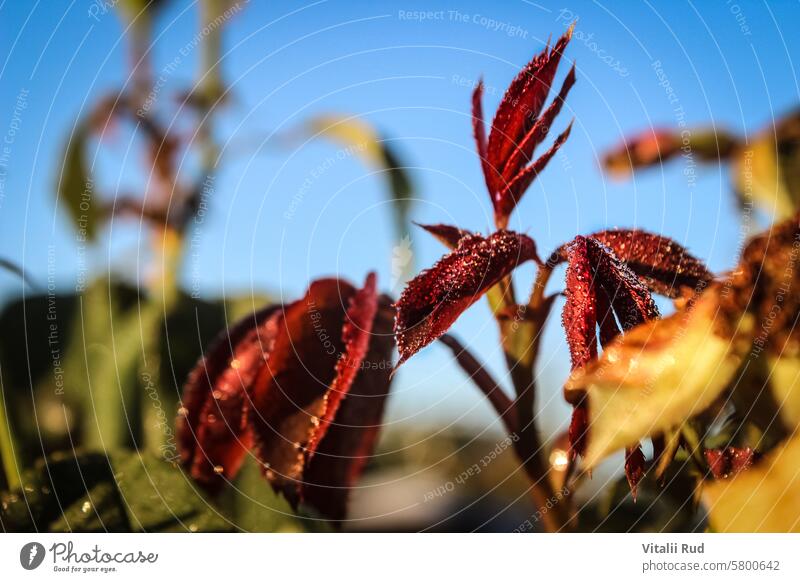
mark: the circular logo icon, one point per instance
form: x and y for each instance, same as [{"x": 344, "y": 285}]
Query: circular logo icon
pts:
[{"x": 31, "y": 555}]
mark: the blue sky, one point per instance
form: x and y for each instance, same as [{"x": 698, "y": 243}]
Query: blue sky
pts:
[{"x": 729, "y": 64}]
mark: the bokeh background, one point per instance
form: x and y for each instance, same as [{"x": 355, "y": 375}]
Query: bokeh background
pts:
[{"x": 285, "y": 209}]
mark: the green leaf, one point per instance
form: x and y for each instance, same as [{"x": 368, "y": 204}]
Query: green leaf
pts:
[
  {"x": 363, "y": 140},
  {"x": 75, "y": 187},
  {"x": 126, "y": 491},
  {"x": 159, "y": 496}
]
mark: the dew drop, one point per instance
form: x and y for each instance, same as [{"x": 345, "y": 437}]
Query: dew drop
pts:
[
  {"x": 219, "y": 469},
  {"x": 86, "y": 507}
]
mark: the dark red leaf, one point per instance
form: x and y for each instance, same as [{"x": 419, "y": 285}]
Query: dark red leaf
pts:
[
  {"x": 599, "y": 289},
  {"x": 578, "y": 429},
  {"x": 517, "y": 129},
  {"x": 211, "y": 427},
  {"x": 523, "y": 154},
  {"x": 630, "y": 299},
  {"x": 340, "y": 457},
  {"x": 355, "y": 336},
  {"x": 728, "y": 462},
  {"x": 634, "y": 468},
  {"x": 304, "y": 386},
  {"x": 523, "y": 101},
  {"x": 479, "y": 131},
  {"x": 509, "y": 197},
  {"x": 447, "y": 235},
  {"x": 435, "y": 298},
  {"x": 580, "y": 310},
  {"x": 665, "y": 266},
  {"x": 289, "y": 396}
]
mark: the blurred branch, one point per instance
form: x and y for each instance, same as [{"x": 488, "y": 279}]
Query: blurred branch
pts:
[{"x": 502, "y": 404}]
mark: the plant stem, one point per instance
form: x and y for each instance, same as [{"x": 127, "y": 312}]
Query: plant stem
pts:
[
  {"x": 520, "y": 337},
  {"x": 10, "y": 467},
  {"x": 502, "y": 404}
]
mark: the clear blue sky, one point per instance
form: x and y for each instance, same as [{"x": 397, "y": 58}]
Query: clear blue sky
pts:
[{"x": 728, "y": 63}]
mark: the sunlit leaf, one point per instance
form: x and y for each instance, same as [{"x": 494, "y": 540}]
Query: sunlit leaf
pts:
[
  {"x": 379, "y": 153},
  {"x": 518, "y": 127},
  {"x": 766, "y": 170},
  {"x": 664, "y": 265},
  {"x": 435, "y": 298},
  {"x": 660, "y": 373},
  {"x": 446, "y": 234},
  {"x": 764, "y": 498}
]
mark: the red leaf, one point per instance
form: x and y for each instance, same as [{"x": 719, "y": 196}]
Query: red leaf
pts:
[
  {"x": 630, "y": 299},
  {"x": 211, "y": 427},
  {"x": 523, "y": 154},
  {"x": 479, "y": 132},
  {"x": 598, "y": 288},
  {"x": 435, "y": 298},
  {"x": 580, "y": 310},
  {"x": 523, "y": 102},
  {"x": 578, "y": 429},
  {"x": 645, "y": 149},
  {"x": 340, "y": 457},
  {"x": 518, "y": 128},
  {"x": 728, "y": 462},
  {"x": 304, "y": 386},
  {"x": 355, "y": 335},
  {"x": 665, "y": 266},
  {"x": 290, "y": 391},
  {"x": 447, "y": 235},
  {"x": 634, "y": 468},
  {"x": 508, "y": 198}
]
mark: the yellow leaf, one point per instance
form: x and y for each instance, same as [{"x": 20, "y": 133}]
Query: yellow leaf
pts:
[
  {"x": 659, "y": 374},
  {"x": 764, "y": 498}
]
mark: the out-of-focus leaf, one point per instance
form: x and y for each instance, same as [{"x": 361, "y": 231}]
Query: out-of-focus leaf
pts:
[
  {"x": 126, "y": 491},
  {"x": 785, "y": 387},
  {"x": 75, "y": 187},
  {"x": 341, "y": 456},
  {"x": 158, "y": 496},
  {"x": 435, "y": 298},
  {"x": 766, "y": 170},
  {"x": 303, "y": 386},
  {"x": 660, "y": 373},
  {"x": 212, "y": 425},
  {"x": 289, "y": 393},
  {"x": 17, "y": 270},
  {"x": 764, "y": 498},
  {"x": 725, "y": 463},
  {"x": 360, "y": 138},
  {"x": 654, "y": 146},
  {"x": 634, "y": 468}
]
